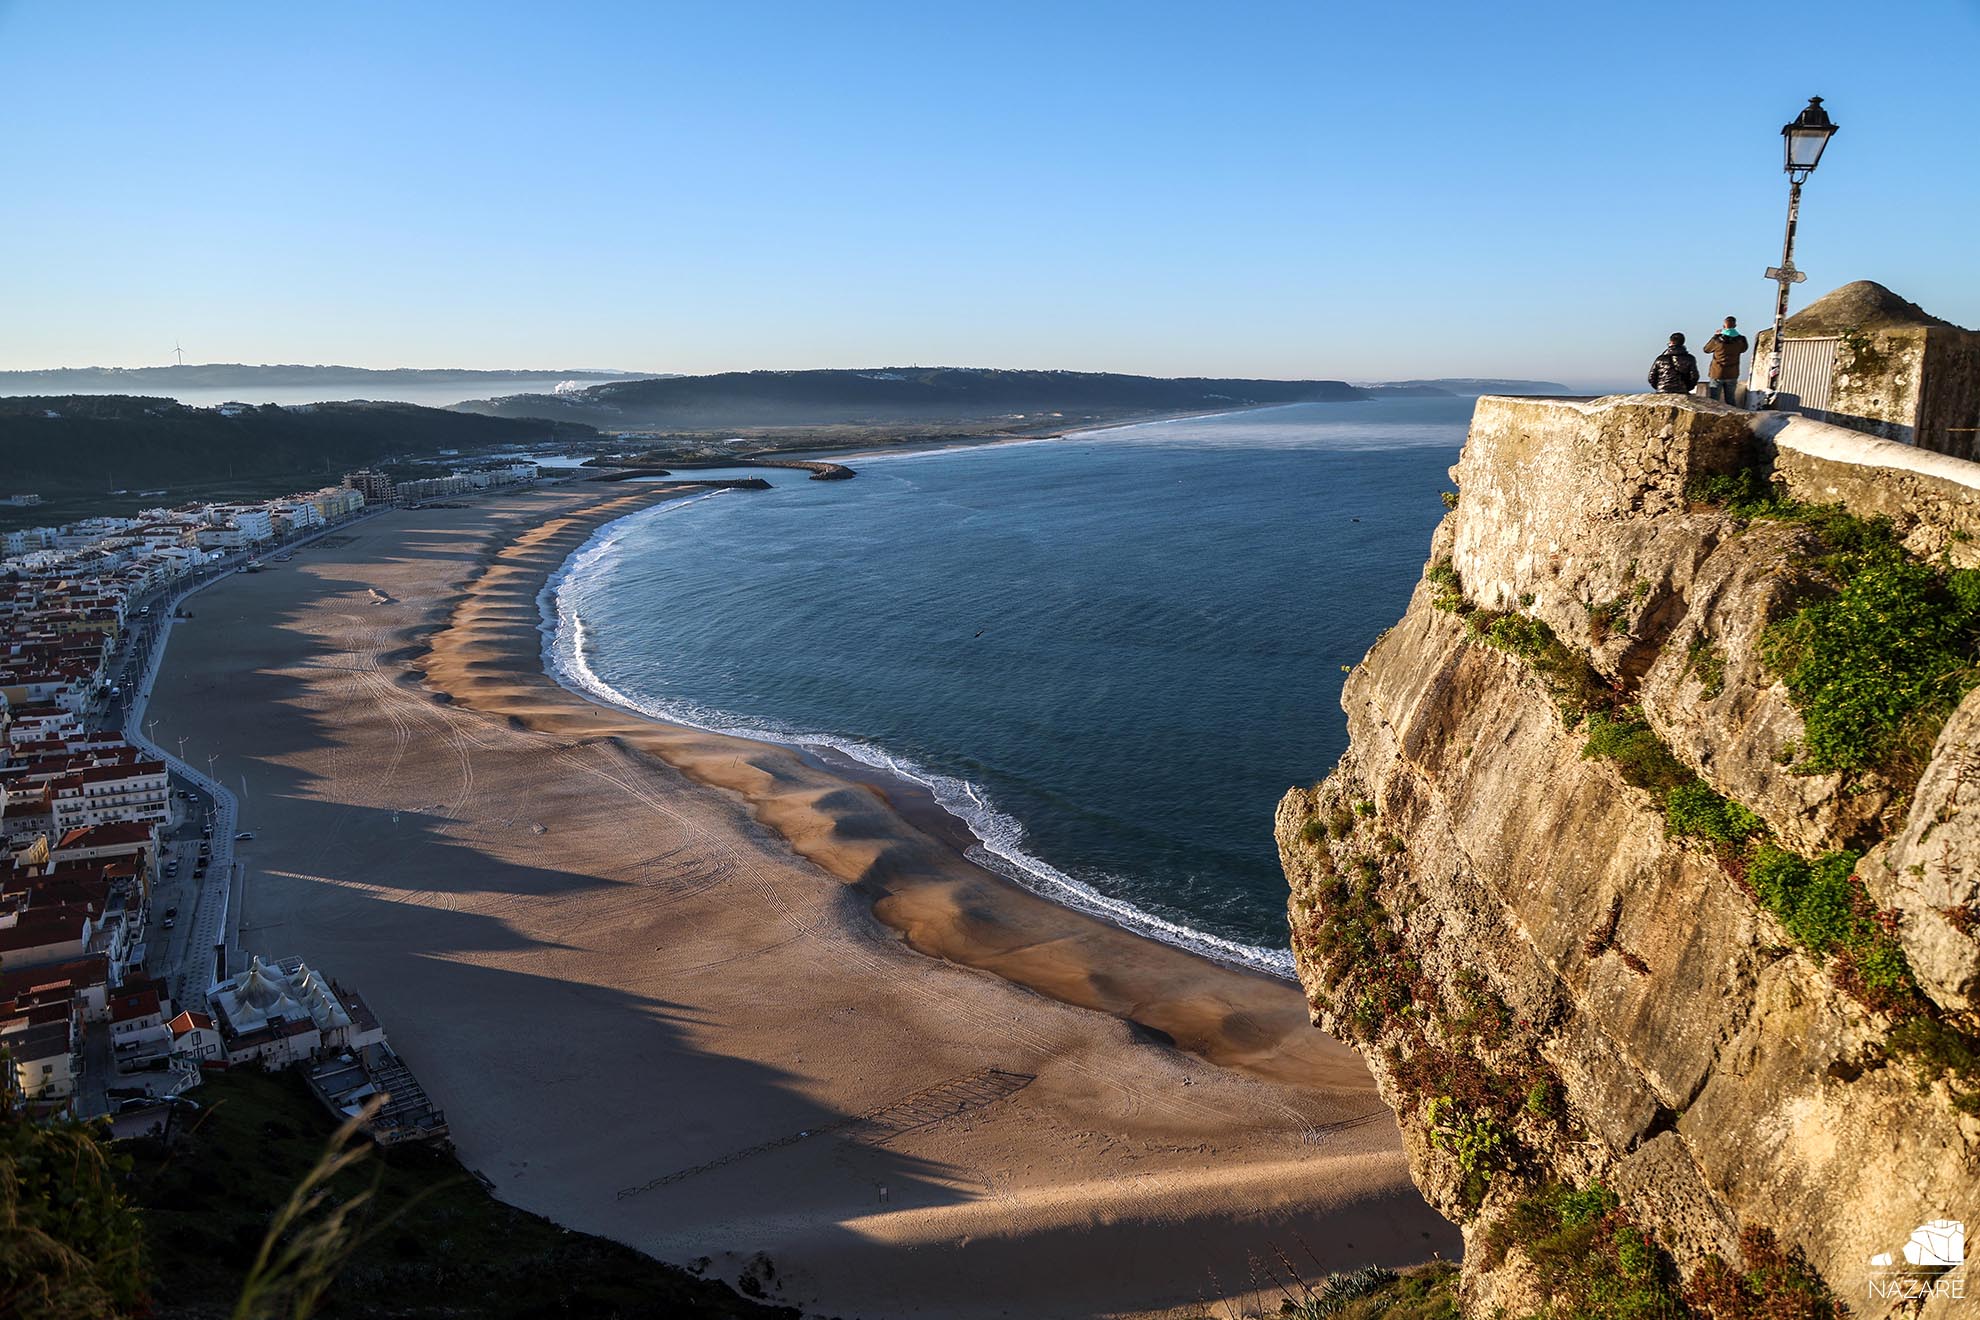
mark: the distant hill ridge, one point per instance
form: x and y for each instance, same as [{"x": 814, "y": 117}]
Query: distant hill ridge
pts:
[
  {"x": 56, "y": 443},
  {"x": 896, "y": 394},
  {"x": 1470, "y": 385},
  {"x": 249, "y": 376}
]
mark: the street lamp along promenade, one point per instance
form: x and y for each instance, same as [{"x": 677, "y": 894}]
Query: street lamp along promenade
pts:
[{"x": 1802, "y": 142}]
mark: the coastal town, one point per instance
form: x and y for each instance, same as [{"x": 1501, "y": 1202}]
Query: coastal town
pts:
[{"x": 122, "y": 980}]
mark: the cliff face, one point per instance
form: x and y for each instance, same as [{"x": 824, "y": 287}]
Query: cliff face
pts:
[{"x": 1582, "y": 891}]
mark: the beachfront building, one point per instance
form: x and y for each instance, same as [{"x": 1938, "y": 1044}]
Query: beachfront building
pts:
[
  {"x": 128, "y": 840},
  {"x": 375, "y": 487},
  {"x": 136, "y": 791},
  {"x": 282, "y": 1013},
  {"x": 334, "y": 502},
  {"x": 255, "y": 522}
]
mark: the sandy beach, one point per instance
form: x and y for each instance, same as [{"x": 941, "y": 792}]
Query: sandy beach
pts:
[{"x": 713, "y": 999}]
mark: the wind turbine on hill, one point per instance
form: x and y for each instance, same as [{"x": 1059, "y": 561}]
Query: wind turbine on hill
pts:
[{"x": 178, "y": 352}]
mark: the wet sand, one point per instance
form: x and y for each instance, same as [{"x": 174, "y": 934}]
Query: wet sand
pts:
[{"x": 711, "y": 998}]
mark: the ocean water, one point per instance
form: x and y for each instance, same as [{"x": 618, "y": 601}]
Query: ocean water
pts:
[{"x": 1110, "y": 654}]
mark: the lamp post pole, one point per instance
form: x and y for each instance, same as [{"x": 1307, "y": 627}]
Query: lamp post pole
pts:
[
  {"x": 1786, "y": 276},
  {"x": 1803, "y": 141}
]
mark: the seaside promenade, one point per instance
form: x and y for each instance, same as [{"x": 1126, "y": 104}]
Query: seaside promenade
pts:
[{"x": 649, "y": 1016}]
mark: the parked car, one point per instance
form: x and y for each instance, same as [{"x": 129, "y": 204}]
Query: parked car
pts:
[
  {"x": 243, "y": 836},
  {"x": 125, "y": 1092}
]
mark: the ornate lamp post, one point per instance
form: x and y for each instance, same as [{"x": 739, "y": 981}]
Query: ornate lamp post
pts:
[{"x": 1803, "y": 141}]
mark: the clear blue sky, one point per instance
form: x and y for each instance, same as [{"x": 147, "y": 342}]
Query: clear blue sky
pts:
[{"x": 1357, "y": 190}]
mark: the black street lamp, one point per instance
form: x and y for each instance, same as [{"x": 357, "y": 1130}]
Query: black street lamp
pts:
[{"x": 1801, "y": 143}]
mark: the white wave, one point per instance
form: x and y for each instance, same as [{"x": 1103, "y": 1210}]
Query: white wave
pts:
[{"x": 999, "y": 834}]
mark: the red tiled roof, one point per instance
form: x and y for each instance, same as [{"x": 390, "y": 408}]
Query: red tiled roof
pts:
[
  {"x": 38, "y": 926},
  {"x": 108, "y": 835},
  {"x": 78, "y": 972},
  {"x": 125, "y": 1007}
]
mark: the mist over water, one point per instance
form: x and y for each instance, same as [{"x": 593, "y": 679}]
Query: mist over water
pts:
[{"x": 1110, "y": 654}]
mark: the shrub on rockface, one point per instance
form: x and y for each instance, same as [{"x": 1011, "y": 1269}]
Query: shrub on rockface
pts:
[
  {"x": 1824, "y": 905},
  {"x": 1570, "y": 680},
  {"x": 1640, "y": 756},
  {"x": 1877, "y": 666},
  {"x": 1776, "y": 1284},
  {"x": 1588, "y": 1256},
  {"x": 1884, "y": 653},
  {"x": 1886, "y": 650},
  {"x": 1695, "y": 811}
]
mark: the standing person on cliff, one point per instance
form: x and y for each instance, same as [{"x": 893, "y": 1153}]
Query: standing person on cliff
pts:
[
  {"x": 1725, "y": 347},
  {"x": 1675, "y": 371}
]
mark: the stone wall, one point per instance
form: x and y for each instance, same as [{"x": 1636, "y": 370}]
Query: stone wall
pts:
[{"x": 1933, "y": 498}]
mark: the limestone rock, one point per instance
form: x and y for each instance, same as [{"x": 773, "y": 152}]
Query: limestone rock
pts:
[{"x": 1474, "y": 900}]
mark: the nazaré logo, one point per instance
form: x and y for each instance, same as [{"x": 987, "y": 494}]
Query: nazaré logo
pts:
[
  {"x": 1942, "y": 1242},
  {"x": 1934, "y": 1248}
]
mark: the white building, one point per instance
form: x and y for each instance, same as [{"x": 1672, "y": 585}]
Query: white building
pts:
[
  {"x": 43, "y": 1056},
  {"x": 281, "y": 1014},
  {"x": 195, "y": 1037},
  {"x": 292, "y": 517},
  {"x": 101, "y": 794}
]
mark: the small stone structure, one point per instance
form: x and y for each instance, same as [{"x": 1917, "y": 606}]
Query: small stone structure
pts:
[{"x": 1864, "y": 358}]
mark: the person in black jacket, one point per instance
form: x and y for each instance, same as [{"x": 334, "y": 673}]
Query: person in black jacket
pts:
[{"x": 1675, "y": 371}]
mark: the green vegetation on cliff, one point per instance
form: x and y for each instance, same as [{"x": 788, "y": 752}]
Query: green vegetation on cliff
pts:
[
  {"x": 1459, "y": 1057},
  {"x": 1877, "y": 659},
  {"x": 1883, "y": 646},
  {"x": 1588, "y": 1257}
]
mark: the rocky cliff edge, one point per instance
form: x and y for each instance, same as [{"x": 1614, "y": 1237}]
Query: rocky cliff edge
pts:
[{"x": 1650, "y": 882}]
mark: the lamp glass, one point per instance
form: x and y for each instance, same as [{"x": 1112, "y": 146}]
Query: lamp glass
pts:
[{"x": 1804, "y": 146}]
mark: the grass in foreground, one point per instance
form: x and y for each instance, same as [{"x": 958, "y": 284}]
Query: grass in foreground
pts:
[{"x": 430, "y": 1241}]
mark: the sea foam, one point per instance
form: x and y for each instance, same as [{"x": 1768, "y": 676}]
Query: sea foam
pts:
[{"x": 999, "y": 835}]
